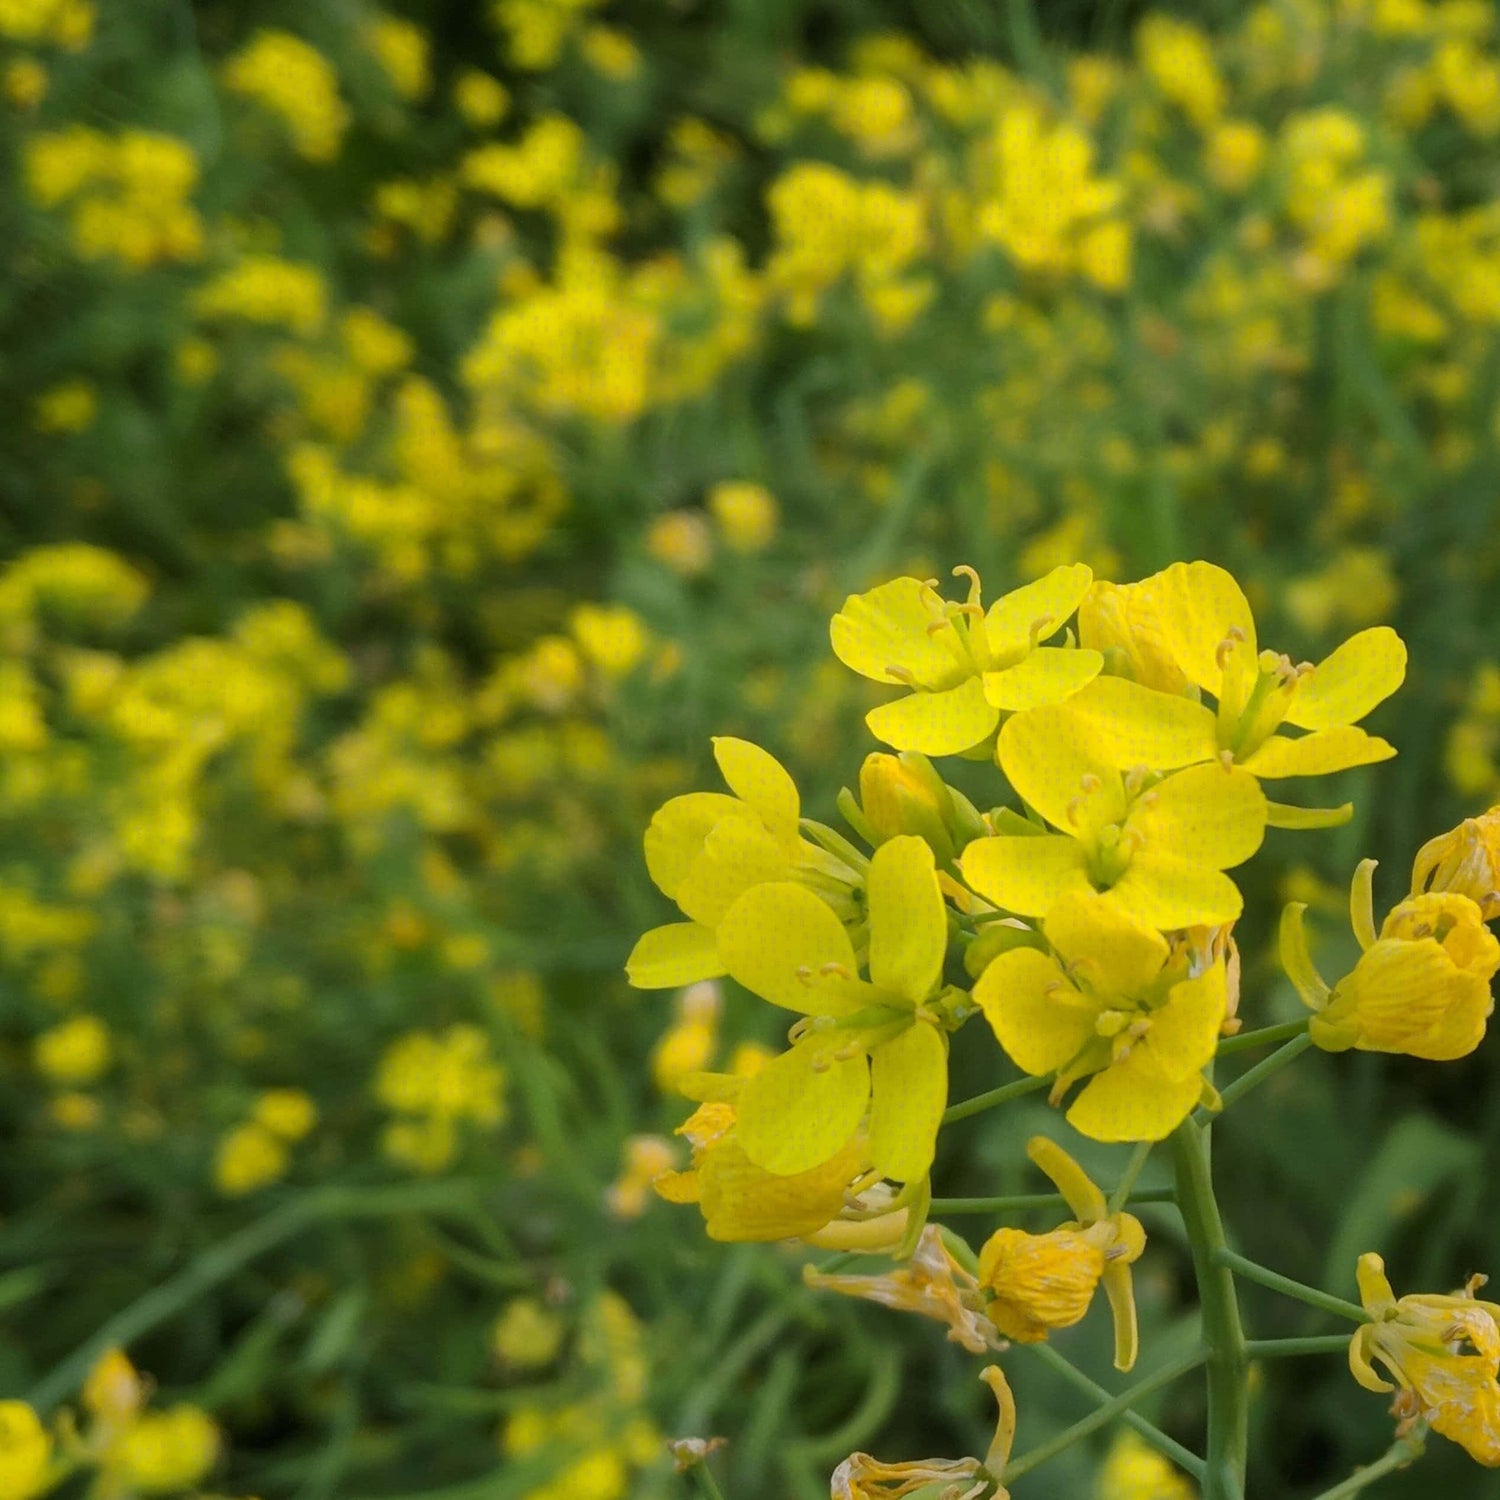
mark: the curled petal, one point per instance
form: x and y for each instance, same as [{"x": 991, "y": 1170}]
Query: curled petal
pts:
[{"x": 1296, "y": 958}]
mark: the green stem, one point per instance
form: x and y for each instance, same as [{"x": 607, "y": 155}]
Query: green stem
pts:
[
  {"x": 1184, "y": 1458},
  {"x": 1121, "y": 1194},
  {"x": 1227, "y": 1363},
  {"x": 1402, "y": 1452},
  {"x": 1261, "y": 1276},
  {"x": 1016, "y": 1202},
  {"x": 982, "y": 1102},
  {"x": 1323, "y": 1343},
  {"x": 1116, "y": 1406},
  {"x": 707, "y": 1481},
  {"x": 1284, "y": 1055},
  {"x": 1247, "y": 1040}
]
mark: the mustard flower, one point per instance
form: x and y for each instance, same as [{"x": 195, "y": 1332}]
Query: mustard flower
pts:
[
  {"x": 1133, "y": 1470},
  {"x": 861, "y": 1477},
  {"x": 1443, "y": 1353},
  {"x": 964, "y": 666},
  {"x": 74, "y": 1052},
  {"x": 705, "y": 849},
  {"x": 1195, "y": 617},
  {"x": 879, "y": 1042},
  {"x": 1156, "y": 846},
  {"x": 25, "y": 1452},
  {"x": 1038, "y": 1282},
  {"x": 1464, "y": 861},
  {"x": 931, "y": 1283},
  {"x": 1112, "y": 1002},
  {"x": 1421, "y": 987}
]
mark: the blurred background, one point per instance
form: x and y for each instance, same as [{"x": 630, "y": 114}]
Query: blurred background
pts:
[{"x": 423, "y": 427}]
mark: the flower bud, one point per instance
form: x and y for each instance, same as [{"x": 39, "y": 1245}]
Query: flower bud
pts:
[
  {"x": 1465, "y": 860},
  {"x": 903, "y": 794}
]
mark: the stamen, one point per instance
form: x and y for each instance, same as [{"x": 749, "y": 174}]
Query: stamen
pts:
[
  {"x": 1226, "y": 759},
  {"x": 848, "y": 1052},
  {"x": 1234, "y": 637},
  {"x": 963, "y": 570},
  {"x": 804, "y": 973},
  {"x": 1041, "y": 626},
  {"x": 825, "y": 970},
  {"x": 901, "y": 674},
  {"x": 1088, "y": 782},
  {"x": 820, "y": 1064}
]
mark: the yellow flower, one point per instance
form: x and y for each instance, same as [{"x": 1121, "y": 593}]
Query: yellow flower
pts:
[
  {"x": 527, "y": 1335},
  {"x": 25, "y": 1452},
  {"x": 861, "y": 1477},
  {"x": 878, "y": 1042},
  {"x": 164, "y": 1451},
  {"x": 963, "y": 665},
  {"x": 1179, "y": 59},
  {"x": 688, "y": 1044},
  {"x": 402, "y": 50},
  {"x": 741, "y": 1201},
  {"x": 113, "y": 1391},
  {"x": 930, "y": 1283},
  {"x": 1464, "y": 861},
  {"x": 287, "y": 1113},
  {"x": 1422, "y": 987},
  {"x": 69, "y": 407},
  {"x": 1133, "y": 1470},
  {"x": 293, "y": 80},
  {"x": 647, "y": 1157},
  {"x": 1156, "y": 846},
  {"x": 1234, "y": 154},
  {"x": 248, "y": 1159},
  {"x": 612, "y": 636},
  {"x": 745, "y": 514},
  {"x": 480, "y": 99},
  {"x": 705, "y": 849},
  {"x": 1195, "y": 617},
  {"x": 1037, "y": 1282},
  {"x": 76, "y": 1052},
  {"x": 1443, "y": 1353},
  {"x": 682, "y": 541},
  {"x": 1112, "y": 1003}
]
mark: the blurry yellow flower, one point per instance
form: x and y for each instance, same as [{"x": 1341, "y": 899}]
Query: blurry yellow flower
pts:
[
  {"x": 879, "y": 1042},
  {"x": 1422, "y": 987},
  {"x": 113, "y": 1391},
  {"x": 248, "y": 1158},
  {"x": 1038, "y": 1282},
  {"x": 425, "y": 1144},
  {"x": 745, "y": 514},
  {"x": 1115, "y": 1004},
  {"x": 612, "y": 637},
  {"x": 930, "y": 1283},
  {"x": 292, "y": 80},
  {"x": 963, "y": 665},
  {"x": 1357, "y": 588},
  {"x": 682, "y": 541},
  {"x": 449, "y": 1076},
  {"x": 480, "y": 99},
  {"x": 401, "y": 48},
  {"x": 1133, "y": 1470},
  {"x": 861, "y": 1477},
  {"x": 164, "y": 1451},
  {"x": 1443, "y": 1353},
  {"x": 646, "y": 1158},
  {"x": 375, "y": 346},
  {"x": 1179, "y": 60},
  {"x": 25, "y": 1452},
  {"x": 197, "y": 361},
  {"x": 69, "y": 407},
  {"x": 266, "y": 290},
  {"x": 527, "y": 1335},
  {"x": 74, "y": 1052},
  {"x": 25, "y": 82},
  {"x": 688, "y": 1045},
  {"x": 287, "y": 1113},
  {"x": 74, "y": 1111},
  {"x": 1469, "y": 82},
  {"x": 610, "y": 53},
  {"x": 1234, "y": 154}
]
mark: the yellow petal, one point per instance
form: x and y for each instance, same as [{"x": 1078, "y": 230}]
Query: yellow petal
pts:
[
  {"x": 945, "y": 723},
  {"x": 1025, "y": 875},
  {"x": 1349, "y": 682},
  {"x": 744, "y": 1202},
  {"x": 1198, "y": 605},
  {"x": 774, "y": 931},
  {"x": 1169, "y": 893},
  {"x": 1284, "y": 815},
  {"x": 1049, "y": 756},
  {"x": 1119, "y": 1287},
  {"x": 1297, "y": 959},
  {"x": 887, "y": 627},
  {"x": 1123, "y": 1103},
  {"x": 679, "y": 953},
  {"x": 1131, "y": 725},
  {"x": 678, "y": 828},
  {"x": 908, "y": 920},
  {"x": 1122, "y": 620},
  {"x": 1047, "y": 675},
  {"x": 1043, "y": 607},
  {"x": 1122, "y": 955},
  {"x": 801, "y": 1109},
  {"x": 737, "y": 854},
  {"x": 1210, "y": 814},
  {"x": 1376, "y": 1294},
  {"x": 908, "y": 1093},
  {"x": 758, "y": 779},
  {"x": 1184, "y": 1033},
  {"x": 1082, "y": 1193},
  {"x": 1318, "y": 753},
  {"x": 1036, "y": 1015},
  {"x": 1360, "y": 1347}
]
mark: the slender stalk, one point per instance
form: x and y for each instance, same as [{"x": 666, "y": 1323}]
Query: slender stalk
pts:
[
  {"x": 1323, "y": 1343},
  {"x": 1227, "y": 1363},
  {"x": 1018, "y": 1201},
  {"x": 1402, "y": 1452},
  {"x": 706, "y": 1479},
  {"x": 1265, "y": 1037},
  {"x": 1184, "y": 1458},
  {"x": 982, "y": 1102},
  {"x": 1116, "y": 1406},
  {"x": 1121, "y": 1194},
  {"x": 1261, "y": 1276},
  {"x": 1284, "y": 1055}
]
